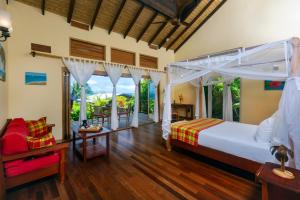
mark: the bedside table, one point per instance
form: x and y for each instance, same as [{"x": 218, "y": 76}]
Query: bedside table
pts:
[{"x": 275, "y": 187}]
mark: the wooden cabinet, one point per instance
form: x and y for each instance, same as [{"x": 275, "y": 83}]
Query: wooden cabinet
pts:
[{"x": 275, "y": 187}]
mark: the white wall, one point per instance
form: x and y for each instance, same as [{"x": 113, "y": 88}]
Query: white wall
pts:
[
  {"x": 247, "y": 23},
  {"x": 3, "y": 85},
  {"x": 30, "y": 26}
]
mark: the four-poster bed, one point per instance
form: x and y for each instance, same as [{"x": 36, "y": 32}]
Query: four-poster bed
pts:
[{"x": 240, "y": 145}]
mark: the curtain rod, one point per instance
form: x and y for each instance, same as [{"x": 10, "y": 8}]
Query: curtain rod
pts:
[{"x": 36, "y": 53}]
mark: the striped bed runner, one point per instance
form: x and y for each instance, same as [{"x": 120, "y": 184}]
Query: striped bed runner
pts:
[{"x": 187, "y": 131}]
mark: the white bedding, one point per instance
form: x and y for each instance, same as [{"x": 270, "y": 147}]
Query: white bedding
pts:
[{"x": 236, "y": 139}]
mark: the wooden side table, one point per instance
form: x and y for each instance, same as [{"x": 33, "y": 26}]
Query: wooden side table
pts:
[
  {"x": 91, "y": 150},
  {"x": 275, "y": 187}
]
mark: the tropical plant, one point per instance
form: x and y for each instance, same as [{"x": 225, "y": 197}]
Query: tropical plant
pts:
[
  {"x": 76, "y": 90},
  {"x": 144, "y": 95},
  {"x": 122, "y": 101},
  {"x": 217, "y": 101}
]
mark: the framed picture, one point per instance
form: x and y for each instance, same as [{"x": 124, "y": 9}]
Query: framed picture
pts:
[
  {"x": 34, "y": 78},
  {"x": 2, "y": 63},
  {"x": 274, "y": 85}
]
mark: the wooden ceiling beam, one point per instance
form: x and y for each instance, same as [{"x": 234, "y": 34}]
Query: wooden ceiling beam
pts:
[
  {"x": 147, "y": 26},
  {"x": 134, "y": 20},
  {"x": 43, "y": 5},
  {"x": 162, "y": 26},
  {"x": 168, "y": 36},
  {"x": 201, "y": 24},
  {"x": 191, "y": 23},
  {"x": 117, "y": 16},
  {"x": 154, "y": 9},
  {"x": 98, "y": 6},
  {"x": 71, "y": 9}
]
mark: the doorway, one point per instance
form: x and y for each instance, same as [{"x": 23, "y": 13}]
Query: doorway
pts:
[
  {"x": 217, "y": 99},
  {"x": 147, "y": 97},
  {"x": 99, "y": 94}
]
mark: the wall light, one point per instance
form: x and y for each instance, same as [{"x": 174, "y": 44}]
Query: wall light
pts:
[{"x": 5, "y": 25}]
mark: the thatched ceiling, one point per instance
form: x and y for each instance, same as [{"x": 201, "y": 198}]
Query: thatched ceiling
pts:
[{"x": 133, "y": 18}]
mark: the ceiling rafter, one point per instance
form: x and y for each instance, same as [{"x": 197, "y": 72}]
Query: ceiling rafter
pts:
[
  {"x": 147, "y": 26},
  {"x": 162, "y": 26},
  {"x": 168, "y": 36},
  {"x": 201, "y": 24},
  {"x": 154, "y": 9},
  {"x": 190, "y": 24},
  {"x": 134, "y": 20},
  {"x": 71, "y": 9},
  {"x": 117, "y": 16},
  {"x": 98, "y": 6},
  {"x": 43, "y": 5}
]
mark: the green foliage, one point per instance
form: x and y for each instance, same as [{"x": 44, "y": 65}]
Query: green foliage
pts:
[
  {"x": 75, "y": 90},
  {"x": 144, "y": 95},
  {"x": 122, "y": 101},
  {"x": 217, "y": 103},
  {"x": 76, "y": 111},
  {"x": 101, "y": 102}
]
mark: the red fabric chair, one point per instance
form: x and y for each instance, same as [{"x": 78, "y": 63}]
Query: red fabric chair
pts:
[{"x": 19, "y": 164}]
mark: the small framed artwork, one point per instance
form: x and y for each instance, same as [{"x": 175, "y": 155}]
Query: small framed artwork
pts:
[
  {"x": 2, "y": 64},
  {"x": 274, "y": 85},
  {"x": 34, "y": 78}
]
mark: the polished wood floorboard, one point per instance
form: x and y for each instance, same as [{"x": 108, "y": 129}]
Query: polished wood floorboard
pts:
[{"x": 139, "y": 167}]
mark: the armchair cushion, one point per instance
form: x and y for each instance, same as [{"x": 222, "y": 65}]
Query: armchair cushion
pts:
[
  {"x": 30, "y": 165},
  {"x": 14, "y": 139},
  {"x": 37, "y": 128},
  {"x": 40, "y": 142}
]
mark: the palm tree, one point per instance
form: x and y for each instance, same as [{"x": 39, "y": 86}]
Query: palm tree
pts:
[{"x": 282, "y": 154}]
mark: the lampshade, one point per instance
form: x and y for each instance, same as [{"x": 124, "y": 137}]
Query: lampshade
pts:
[{"x": 5, "y": 20}]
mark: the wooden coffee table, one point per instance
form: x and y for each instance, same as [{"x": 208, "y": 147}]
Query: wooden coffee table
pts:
[{"x": 88, "y": 150}]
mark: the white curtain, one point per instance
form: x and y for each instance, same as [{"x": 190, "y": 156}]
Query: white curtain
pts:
[
  {"x": 136, "y": 76},
  {"x": 209, "y": 101},
  {"x": 155, "y": 77},
  {"x": 197, "y": 110},
  {"x": 197, "y": 84},
  {"x": 286, "y": 124},
  {"x": 82, "y": 71},
  {"x": 114, "y": 72},
  {"x": 227, "y": 102},
  {"x": 204, "y": 113},
  {"x": 167, "y": 114}
]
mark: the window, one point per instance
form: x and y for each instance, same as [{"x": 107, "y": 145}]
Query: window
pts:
[{"x": 88, "y": 50}]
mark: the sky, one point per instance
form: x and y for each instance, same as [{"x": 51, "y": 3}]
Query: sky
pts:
[{"x": 102, "y": 84}]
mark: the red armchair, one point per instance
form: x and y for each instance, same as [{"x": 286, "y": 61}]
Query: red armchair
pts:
[{"x": 19, "y": 165}]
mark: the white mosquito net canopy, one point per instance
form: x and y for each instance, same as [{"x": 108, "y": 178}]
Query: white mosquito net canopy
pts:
[{"x": 278, "y": 61}]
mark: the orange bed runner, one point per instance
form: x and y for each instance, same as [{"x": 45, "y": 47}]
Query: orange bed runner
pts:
[{"x": 187, "y": 131}]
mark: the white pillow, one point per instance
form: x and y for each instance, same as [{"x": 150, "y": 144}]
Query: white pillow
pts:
[{"x": 264, "y": 130}]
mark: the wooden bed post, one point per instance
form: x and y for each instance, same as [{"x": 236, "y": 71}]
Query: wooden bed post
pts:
[
  {"x": 168, "y": 144},
  {"x": 62, "y": 165},
  {"x": 168, "y": 141},
  {"x": 295, "y": 57}
]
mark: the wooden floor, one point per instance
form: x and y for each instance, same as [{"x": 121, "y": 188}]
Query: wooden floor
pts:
[{"x": 140, "y": 168}]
